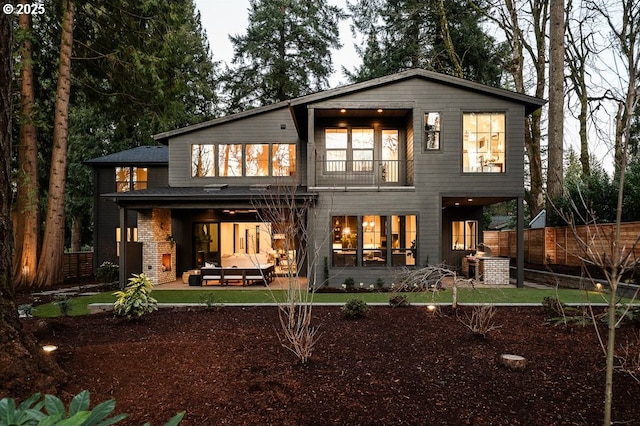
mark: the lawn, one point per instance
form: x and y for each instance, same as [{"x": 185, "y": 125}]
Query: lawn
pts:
[{"x": 79, "y": 305}]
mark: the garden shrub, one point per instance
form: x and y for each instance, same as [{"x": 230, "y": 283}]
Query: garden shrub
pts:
[
  {"x": 350, "y": 283},
  {"x": 399, "y": 301},
  {"x": 63, "y": 302},
  {"x": 26, "y": 309},
  {"x": 355, "y": 308},
  {"x": 107, "y": 272},
  {"x": 136, "y": 299},
  {"x": 51, "y": 411},
  {"x": 558, "y": 313}
]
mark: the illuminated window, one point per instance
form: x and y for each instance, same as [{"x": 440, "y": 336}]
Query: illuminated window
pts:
[
  {"x": 131, "y": 178},
  {"x": 390, "y": 156},
  {"x": 203, "y": 160},
  {"x": 483, "y": 142},
  {"x": 256, "y": 160},
  {"x": 230, "y": 159},
  {"x": 374, "y": 240},
  {"x": 362, "y": 149},
  {"x": 464, "y": 234},
  {"x": 404, "y": 250},
  {"x": 345, "y": 240},
  {"x": 283, "y": 159},
  {"x": 132, "y": 235},
  {"x": 336, "y": 144}
]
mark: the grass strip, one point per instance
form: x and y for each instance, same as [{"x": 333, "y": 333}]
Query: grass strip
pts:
[{"x": 79, "y": 305}]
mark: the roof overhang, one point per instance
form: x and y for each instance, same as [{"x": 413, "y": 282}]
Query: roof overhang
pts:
[{"x": 222, "y": 197}]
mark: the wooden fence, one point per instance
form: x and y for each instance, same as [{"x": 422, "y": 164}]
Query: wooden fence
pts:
[
  {"x": 558, "y": 245},
  {"x": 78, "y": 265}
]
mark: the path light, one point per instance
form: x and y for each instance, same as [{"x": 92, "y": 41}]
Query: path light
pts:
[
  {"x": 598, "y": 287},
  {"x": 431, "y": 308},
  {"x": 49, "y": 348}
]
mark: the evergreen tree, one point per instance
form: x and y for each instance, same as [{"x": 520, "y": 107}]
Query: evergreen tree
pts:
[
  {"x": 284, "y": 54},
  {"x": 139, "y": 68},
  {"x": 430, "y": 34}
]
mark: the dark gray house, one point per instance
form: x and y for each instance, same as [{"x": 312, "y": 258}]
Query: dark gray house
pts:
[{"x": 399, "y": 169}]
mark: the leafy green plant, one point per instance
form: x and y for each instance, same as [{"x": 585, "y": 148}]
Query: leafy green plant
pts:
[
  {"x": 210, "y": 300},
  {"x": 399, "y": 301},
  {"x": 107, "y": 272},
  {"x": 350, "y": 283},
  {"x": 559, "y": 313},
  {"x": 355, "y": 308},
  {"x": 380, "y": 283},
  {"x": 63, "y": 302},
  {"x": 136, "y": 299},
  {"x": 50, "y": 411}
]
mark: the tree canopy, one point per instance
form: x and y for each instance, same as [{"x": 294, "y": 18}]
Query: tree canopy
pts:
[
  {"x": 445, "y": 37},
  {"x": 285, "y": 53}
]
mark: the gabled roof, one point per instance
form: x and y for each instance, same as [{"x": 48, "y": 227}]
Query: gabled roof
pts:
[
  {"x": 139, "y": 156},
  {"x": 299, "y": 105}
]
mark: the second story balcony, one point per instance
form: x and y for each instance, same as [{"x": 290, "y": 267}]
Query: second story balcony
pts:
[{"x": 363, "y": 173}]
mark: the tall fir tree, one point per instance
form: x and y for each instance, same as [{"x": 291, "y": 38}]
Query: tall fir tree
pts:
[
  {"x": 138, "y": 69},
  {"x": 285, "y": 53},
  {"x": 431, "y": 34}
]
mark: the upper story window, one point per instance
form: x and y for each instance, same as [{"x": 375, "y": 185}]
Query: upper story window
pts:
[
  {"x": 483, "y": 142},
  {"x": 336, "y": 144},
  {"x": 237, "y": 160},
  {"x": 283, "y": 159},
  {"x": 362, "y": 149},
  {"x": 203, "y": 160},
  {"x": 431, "y": 131},
  {"x": 131, "y": 178}
]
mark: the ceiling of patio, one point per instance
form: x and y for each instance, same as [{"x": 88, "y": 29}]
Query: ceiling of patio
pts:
[{"x": 471, "y": 201}]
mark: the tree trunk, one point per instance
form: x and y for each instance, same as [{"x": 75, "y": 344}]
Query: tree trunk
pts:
[
  {"x": 23, "y": 368},
  {"x": 556, "y": 102},
  {"x": 51, "y": 257},
  {"x": 26, "y": 214},
  {"x": 76, "y": 233}
]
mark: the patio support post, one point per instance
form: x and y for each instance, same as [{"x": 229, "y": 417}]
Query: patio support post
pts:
[
  {"x": 122, "y": 275},
  {"x": 520, "y": 244}
]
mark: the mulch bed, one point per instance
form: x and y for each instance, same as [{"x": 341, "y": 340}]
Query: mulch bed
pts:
[{"x": 400, "y": 366}]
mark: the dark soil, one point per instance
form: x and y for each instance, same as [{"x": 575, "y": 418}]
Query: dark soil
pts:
[{"x": 396, "y": 366}]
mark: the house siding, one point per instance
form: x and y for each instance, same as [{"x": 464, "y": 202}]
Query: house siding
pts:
[
  {"x": 107, "y": 213},
  {"x": 435, "y": 173}
]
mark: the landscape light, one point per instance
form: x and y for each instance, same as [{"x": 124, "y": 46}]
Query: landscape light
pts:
[
  {"x": 49, "y": 348},
  {"x": 431, "y": 308}
]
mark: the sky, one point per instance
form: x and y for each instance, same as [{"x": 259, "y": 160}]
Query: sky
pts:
[{"x": 223, "y": 17}]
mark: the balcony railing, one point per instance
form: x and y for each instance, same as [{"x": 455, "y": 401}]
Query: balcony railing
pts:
[{"x": 364, "y": 173}]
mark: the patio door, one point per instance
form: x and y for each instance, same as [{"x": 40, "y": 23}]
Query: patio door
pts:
[{"x": 206, "y": 243}]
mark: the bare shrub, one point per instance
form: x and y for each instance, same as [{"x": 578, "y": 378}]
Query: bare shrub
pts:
[
  {"x": 629, "y": 358},
  {"x": 481, "y": 320},
  {"x": 287, "y": 211}
]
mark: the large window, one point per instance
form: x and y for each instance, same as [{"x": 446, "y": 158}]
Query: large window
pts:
[
  {"x": 256, "y": 160},
  {"x": 230, "y": 159},
  {"x": 362, "y": 149},
  {"x": 131, "y": 178},
  {"x": 336, "y": 144},
  {"x": 404, "y": 238},
  {"x": 203, "y": 160},
  {"x": 390, "y": 156},
  {"x": 235, "y": 160},
  {"x": 345, "y": 240},
  {"x": 464, "y": 234},
  {"x": 283, "y": 159},
  {"x": 364, "y": 240},
  {"x": 484, "y": 142}
]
